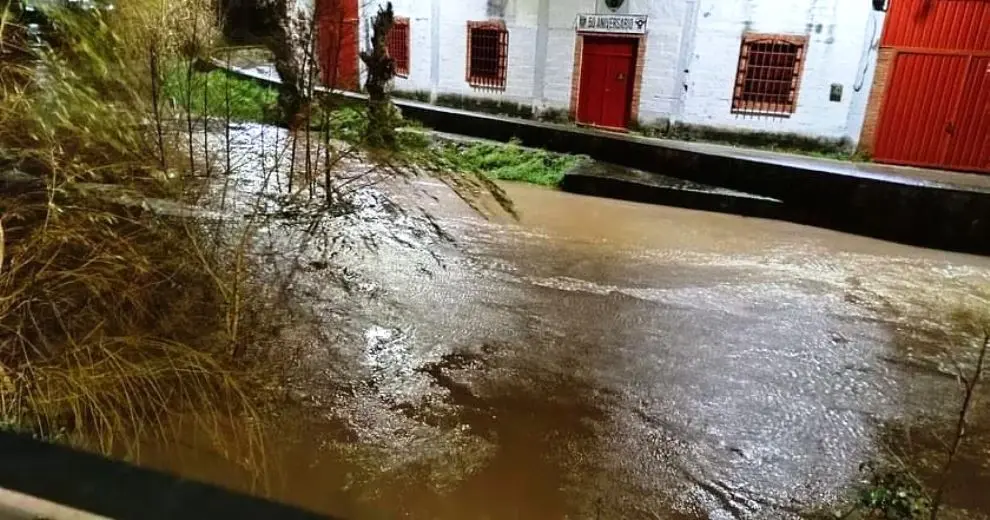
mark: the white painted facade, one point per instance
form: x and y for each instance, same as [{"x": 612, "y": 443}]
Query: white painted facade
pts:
[
  {"x": 841, "y": 50},
  {"x": 690, "y": 59}
]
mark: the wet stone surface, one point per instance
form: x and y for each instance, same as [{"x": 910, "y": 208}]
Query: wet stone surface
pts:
[{"x": 601, "y": 359}]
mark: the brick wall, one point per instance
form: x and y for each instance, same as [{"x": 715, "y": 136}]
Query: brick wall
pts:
[
  {"x": 868, "y": 138},
  {"x": 575, "y": 91},
  {"x": 638, "y": 79},
  {"x": 661, "y": 56},
  {"x": 418, "y": 13},
  {"x": 658, "y": 92},
  {"x": 521, "y": 24},
  {"x": 420, "y": 25}
]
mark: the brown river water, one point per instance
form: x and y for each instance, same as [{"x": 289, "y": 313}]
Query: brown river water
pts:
[{"x": 604, "y": 359}]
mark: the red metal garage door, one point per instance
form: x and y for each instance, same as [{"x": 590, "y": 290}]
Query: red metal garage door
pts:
[
  {"x": 936, "y": 112},
  {"x": 936, "y": 105},
  {"x": 969, "y": 142},
  {"x": 916, "y": 119}
]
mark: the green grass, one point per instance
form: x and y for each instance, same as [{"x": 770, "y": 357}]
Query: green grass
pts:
[
  {"x": 507, "y": 162},
  {"x": 249, "y": 101}
]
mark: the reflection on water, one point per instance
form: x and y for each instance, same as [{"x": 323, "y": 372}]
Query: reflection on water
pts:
[{"x": 602, "y": 359}]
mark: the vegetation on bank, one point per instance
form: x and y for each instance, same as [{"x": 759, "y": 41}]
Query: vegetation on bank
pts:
[
  {"x": 251, "y": 101},
  {"x": 913, "y": 480},
  {"x": 116, "y": 322},
  {"x": 509, "y": 162},
  {"x": 215, "y": 94}
]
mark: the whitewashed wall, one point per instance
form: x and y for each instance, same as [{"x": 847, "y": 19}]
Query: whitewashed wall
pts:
[
  {"x": 863, "y": 79},
  {"x": 692, "y": 50},
  {"x": 420, "y": 45},
  {"x": 520, "y": 19},
  {"x": 669, "y": 24},
  {"x": 666, "y": 32},
  {"x": 838, "y": 51}
]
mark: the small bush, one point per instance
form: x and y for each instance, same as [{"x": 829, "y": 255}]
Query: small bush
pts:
[
  {"x": 893, "y": 495},
  {"x": 347, "y": 124},
  {"x": 775, "y": 141},
  {"x": 488, "y": 106},
  {"x": 554, "y": 115}
]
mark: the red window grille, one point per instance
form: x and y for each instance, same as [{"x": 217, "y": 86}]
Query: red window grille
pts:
[
  {"x": 769, "y": 74},
  {"x": 398, "y": 45},
  {"x": 488, "y": 54}
]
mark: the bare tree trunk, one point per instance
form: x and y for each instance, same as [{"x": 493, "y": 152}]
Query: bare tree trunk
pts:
[
  {"x": 290, "y": 40},
  {"x": 285, "y": 27},
  {"x": 381, "y": 69}
]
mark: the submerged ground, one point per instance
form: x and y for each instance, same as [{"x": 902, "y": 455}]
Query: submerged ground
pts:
[{"x": 601, "y": 359}]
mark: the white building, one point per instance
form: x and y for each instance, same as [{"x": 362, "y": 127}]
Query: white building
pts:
[{"x": 802, "y": 66}]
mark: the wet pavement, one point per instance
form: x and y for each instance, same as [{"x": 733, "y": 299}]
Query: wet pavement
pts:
[{"x": 602, "y": 359}]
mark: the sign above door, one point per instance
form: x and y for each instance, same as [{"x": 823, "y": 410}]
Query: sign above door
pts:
[{"x": 612, "y": 23}]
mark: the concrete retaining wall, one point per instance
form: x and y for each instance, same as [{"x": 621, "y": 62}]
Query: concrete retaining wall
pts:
[
  {"x": 924, "y": 214},
  {"x": 927, "y": 215}
]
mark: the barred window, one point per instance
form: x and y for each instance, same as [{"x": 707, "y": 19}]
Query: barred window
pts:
[
  {"x": 398, "y": 45},
  {"x": 487, "y": 56},
  {"x": 769, "y": 74}
]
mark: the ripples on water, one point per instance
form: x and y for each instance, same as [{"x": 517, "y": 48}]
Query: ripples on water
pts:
[{"x": 597, "y": 359}]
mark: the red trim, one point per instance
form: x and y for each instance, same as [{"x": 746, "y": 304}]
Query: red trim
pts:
[
  {"x": 496, "y": 59},
  {"x": 398, "y": 45}
]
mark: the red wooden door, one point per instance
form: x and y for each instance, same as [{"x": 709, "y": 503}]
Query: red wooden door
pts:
[
  {"x": 916, "y": 119},
  {"x": 969, "y": 140},
  {"x": 337, "y": 43},
  {"x": 605, "y": 91}
]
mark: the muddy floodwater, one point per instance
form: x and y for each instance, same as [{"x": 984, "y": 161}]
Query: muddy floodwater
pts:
[{"x": 603, "y": 359}]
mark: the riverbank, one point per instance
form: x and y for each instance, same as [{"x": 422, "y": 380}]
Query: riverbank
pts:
[
  {"x": 245, "y": 100},
  {"x": 124, "y": 306}
]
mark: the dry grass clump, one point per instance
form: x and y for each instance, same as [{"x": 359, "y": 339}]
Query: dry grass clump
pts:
[
  {"x": 114, "y": 321},
  {"x": 109, "y": 321}
]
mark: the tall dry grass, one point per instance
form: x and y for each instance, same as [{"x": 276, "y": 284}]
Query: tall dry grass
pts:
[{"x": 116, "y": 322}]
